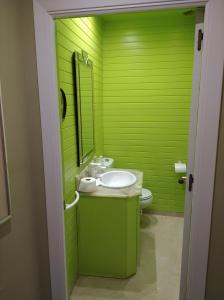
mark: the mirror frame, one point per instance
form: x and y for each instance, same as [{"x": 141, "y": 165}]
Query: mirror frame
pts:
[
  {"x": 76, "y": 59},
  {"x": 5, "y": 164}
]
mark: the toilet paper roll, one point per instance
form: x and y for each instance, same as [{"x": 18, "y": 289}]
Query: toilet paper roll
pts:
[
  {"x": 180, "y": 167},
  {"x": 87, "y": 184}
]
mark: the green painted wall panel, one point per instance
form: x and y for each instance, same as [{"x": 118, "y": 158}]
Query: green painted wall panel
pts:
[
  {"x": 147, "y": 78},
  {"x": 74, "y": 35}
]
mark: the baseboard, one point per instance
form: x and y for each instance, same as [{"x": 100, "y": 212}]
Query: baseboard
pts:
[{"x": 171, "y": 214}]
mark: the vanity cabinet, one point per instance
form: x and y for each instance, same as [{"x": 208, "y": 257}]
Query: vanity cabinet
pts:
[{"x": 108, "y": 236}]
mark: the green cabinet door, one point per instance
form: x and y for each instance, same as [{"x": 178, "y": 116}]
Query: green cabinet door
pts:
[{"x": 107, "y": 236}]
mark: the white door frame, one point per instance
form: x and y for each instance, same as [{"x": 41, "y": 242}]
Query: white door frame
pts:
[{"x": 206, "y": 141}]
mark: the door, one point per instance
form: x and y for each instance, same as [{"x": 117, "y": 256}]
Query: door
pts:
[{"x": 191, "y": 155}]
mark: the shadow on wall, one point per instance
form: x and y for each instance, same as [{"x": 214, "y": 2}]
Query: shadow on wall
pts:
[{"x": 5, "y": 228}]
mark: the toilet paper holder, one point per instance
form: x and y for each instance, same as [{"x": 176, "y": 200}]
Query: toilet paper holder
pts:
[{"x": 180, "y": 167}]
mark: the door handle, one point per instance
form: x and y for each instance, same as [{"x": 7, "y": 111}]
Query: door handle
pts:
[{"x": 183, "y": 179}]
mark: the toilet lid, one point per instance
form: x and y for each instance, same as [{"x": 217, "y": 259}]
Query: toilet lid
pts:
[{"x": 146, "y": 194}]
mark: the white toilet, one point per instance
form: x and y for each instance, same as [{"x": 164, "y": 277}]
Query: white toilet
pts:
[{"x": 145, "y": 198}]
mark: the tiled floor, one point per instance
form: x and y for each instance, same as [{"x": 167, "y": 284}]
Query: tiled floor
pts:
[{"x": 158, "y": 273}]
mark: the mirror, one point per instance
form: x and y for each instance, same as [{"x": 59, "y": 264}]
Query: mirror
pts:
[
  {"x": 83, "y": 92},
  {"x": 5, "y": 208}
]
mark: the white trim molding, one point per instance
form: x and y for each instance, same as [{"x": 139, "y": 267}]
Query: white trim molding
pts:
[
  {"x": 47, "y": 81},
  {"x": 59, "y": 8}
]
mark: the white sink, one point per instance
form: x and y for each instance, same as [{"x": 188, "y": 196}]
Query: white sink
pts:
[{"x": 117, "y": 179}]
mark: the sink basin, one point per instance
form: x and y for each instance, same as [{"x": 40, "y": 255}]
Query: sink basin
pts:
[{"x": 117, "y": 179}]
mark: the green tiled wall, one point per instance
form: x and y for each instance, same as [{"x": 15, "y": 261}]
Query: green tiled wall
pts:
[
  {"x": 147, "y": 78},
  {"x": 76, "y": 34}
]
